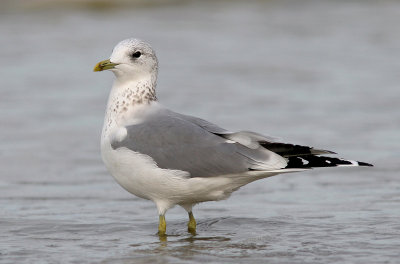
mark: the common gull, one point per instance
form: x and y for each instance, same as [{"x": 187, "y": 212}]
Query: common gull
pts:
[{"x": 176, "y": 159}]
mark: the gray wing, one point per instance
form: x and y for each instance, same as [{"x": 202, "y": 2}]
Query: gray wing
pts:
[
  {"x": 254, "y": 140},
  {"x": 194, "y": 145}
]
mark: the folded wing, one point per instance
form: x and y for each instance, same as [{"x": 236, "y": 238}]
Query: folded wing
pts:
[{"x": 185, "y": 143}]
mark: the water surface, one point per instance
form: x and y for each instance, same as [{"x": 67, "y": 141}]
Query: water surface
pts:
[{"x": 320, "y": 73}]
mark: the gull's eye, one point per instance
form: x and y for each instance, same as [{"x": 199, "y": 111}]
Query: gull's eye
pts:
[{"x": 137, "y": 54}]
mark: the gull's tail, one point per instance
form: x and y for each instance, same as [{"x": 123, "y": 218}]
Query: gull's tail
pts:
[
  {"x": 312, "y": 161},
  {"x": 303, "y": 157}
]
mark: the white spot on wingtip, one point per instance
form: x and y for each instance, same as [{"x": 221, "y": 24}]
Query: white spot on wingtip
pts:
[
  {"x": 353, "y": 163},
  {"x": 305, "y": 162},
  {"x": 230, "y": 141}
]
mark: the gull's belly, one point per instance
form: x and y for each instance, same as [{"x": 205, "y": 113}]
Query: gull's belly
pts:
[{"x": 139, "y": 175}]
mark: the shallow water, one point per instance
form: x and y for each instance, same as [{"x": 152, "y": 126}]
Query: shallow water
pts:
[{"x": 320, "y": 73}]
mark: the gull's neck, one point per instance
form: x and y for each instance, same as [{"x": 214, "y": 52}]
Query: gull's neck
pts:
[{"x": 125, "y": 97}]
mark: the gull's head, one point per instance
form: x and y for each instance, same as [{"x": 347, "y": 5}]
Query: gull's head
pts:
[{"x": 131, "y": 59}]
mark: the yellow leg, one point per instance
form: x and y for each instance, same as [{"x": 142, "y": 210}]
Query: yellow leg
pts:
[
  {"x": 162, "y": 226},
  {"x": 192, "y": 224}
]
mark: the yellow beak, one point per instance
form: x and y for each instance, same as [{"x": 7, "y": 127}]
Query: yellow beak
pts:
[{"x": 104, "y": 65}]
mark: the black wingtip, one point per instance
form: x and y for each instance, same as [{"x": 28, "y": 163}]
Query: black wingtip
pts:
[{"x": 360, "y": 163}]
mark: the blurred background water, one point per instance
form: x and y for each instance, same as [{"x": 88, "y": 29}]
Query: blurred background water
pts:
[{"x": 319, "y": 73}]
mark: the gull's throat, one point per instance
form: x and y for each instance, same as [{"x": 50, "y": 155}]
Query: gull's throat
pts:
[
  {"x": 124, "y": 98},
  {"x": 141, "y": 91}
]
